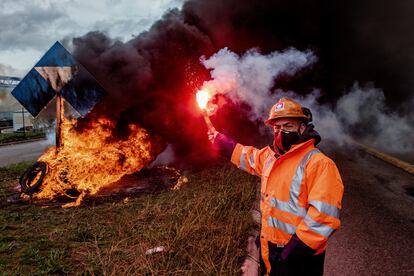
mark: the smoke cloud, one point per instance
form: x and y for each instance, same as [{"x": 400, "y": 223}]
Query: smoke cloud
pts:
[
  {"x": 152, "y": 79},
  {"x": 364, "y": 114},
  {"x": 361, "y": 113},
  {"x": 250, "y": 77}
]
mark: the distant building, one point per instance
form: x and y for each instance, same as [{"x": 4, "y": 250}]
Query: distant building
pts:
[
  {"x": 9, "y": 82},
  {"x": 12, "y": 114},
  {"x": 22, "y": 119}
]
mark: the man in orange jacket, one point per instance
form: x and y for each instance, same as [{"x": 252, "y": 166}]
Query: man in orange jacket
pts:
[{"x": 301, "y": 191}]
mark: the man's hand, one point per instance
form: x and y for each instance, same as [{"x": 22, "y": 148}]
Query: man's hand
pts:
[
  {"x": 296, "y": 247},
  {"x": 224, "y": 144},
  {"x": 212, "y": 133}
]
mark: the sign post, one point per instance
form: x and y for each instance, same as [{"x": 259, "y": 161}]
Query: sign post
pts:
[
  {"x": 59, "y": 120},
  {"x": 58, "y": 74}
]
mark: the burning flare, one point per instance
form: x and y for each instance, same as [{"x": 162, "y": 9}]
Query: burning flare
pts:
[
  {"x": 92, "y": 159},
  {"x": 202, "y": 98}
]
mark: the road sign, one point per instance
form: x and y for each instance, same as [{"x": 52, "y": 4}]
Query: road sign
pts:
[{"x": 58, "y": 73}]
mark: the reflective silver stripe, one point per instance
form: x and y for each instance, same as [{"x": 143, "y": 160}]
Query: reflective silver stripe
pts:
[
  {"x": 288, "y": 207},
  {"x": 267, "y": 164},
  {"x": 285, "y": 227},
  {"x": 265, "y": 172},
  {"x": 325, "y": 208},
  {"x": 292, "y": 206},
  {"x": 254, "y": 155},
  {"x": 251, "y": 161},
  {"x": 297, "y": 179},
  {"x": 321, "y": 229},
  {"x": 242, "y": 159}
]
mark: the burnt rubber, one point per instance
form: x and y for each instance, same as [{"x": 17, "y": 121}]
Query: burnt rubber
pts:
[{"x": 30, "y": 174}]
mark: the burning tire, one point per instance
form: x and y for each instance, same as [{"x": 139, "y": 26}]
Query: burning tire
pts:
[{"x": 32, "y": 178}]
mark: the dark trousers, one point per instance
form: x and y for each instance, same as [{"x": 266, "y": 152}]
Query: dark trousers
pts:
[{"x": 293, "y": 265}]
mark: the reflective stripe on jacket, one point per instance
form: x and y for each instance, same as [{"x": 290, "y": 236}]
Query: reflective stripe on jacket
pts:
[{"x": 301, "y": 192}]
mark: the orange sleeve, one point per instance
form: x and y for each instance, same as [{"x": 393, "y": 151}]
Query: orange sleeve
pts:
[
  {"x": 325, "y": 191},
  {"x": 249, "y": 159}
]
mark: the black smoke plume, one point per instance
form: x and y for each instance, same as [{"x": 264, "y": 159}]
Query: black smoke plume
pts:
[{"x": 152, "y": 78}]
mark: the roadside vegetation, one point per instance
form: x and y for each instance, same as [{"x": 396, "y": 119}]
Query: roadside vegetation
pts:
[
  {"x": 20, "y": 136},
  {"x": 203, "y": 227}
]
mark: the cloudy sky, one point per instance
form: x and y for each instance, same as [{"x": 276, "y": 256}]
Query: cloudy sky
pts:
[{"x": 30, "y": 27}]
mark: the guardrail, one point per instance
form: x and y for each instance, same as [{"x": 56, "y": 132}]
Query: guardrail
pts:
[{"x": 6, "y": 81}]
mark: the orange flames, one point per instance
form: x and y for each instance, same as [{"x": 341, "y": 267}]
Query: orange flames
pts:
[{"x": 91, "y": 159}]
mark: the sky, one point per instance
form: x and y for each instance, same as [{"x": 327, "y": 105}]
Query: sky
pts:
[{"x": 30, "y": 27}]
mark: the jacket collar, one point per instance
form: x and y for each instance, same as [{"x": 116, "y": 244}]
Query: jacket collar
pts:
[{"x": 298, "y": 147}]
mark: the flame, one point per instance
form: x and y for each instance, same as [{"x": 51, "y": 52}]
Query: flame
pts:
[
  {"x": 92, "y": 159},
  {"x": 202, "y": 98}
]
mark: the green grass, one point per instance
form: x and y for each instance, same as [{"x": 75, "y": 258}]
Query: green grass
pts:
[
  {"x": 19, "y": 136},
  {"x": 203, "y": 226}
]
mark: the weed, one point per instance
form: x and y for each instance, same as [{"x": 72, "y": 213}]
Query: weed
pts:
[
  {"x": 54, "y": 263},
  {"x": 17, "y": 168},
  {"x": 203, "y": 228},
  {"x": 82, "y": 233},
  {"x": 30, "y": 256},
  {"x": 19, "y": 136},
  {"x": 7, "y": 247}
]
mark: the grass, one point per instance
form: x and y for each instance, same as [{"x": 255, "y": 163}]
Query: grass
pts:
[
  {"x": 19, "y": 136},
  {"x": 203, "y": 226}
]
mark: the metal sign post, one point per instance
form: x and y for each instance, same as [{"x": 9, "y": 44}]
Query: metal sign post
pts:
[{"x": 24, "y": 127}]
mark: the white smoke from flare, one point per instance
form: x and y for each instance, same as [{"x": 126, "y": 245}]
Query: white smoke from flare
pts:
[
  {"x": 361, "y": 113},
  {"x": 250, "y": 77},
  {"x": 364, "y": 110}
]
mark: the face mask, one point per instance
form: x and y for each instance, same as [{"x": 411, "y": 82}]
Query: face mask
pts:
[{"x": 284, "y": 140}]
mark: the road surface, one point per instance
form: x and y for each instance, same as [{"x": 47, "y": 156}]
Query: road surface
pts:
[
  {"x": 377, "y": 232},
  {"x": 22, "y": 152}
]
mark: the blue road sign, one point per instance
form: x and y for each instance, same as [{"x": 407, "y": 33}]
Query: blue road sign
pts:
[{"x": 58, "y": 72}]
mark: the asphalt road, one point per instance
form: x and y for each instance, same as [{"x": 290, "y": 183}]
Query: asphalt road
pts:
[
  {"x": 22, "y": 152},
  {"x": 377, "y": 232}
]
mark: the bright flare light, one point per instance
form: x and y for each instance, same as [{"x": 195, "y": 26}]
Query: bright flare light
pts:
[{"x": 202, "y": 98}]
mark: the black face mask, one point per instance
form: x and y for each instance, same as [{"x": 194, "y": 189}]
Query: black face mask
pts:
[{"x": 284, "y": 140}]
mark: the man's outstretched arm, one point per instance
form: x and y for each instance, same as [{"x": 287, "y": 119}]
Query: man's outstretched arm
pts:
[{"x": 247, "y": 158}]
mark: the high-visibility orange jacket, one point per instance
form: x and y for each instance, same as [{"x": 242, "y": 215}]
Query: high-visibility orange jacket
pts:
[{"x": 301, "y": 193}]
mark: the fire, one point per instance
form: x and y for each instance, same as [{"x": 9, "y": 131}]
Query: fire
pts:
[
  {"x": 202, "y": 98},
  {"x": 92, "y": 159}
]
